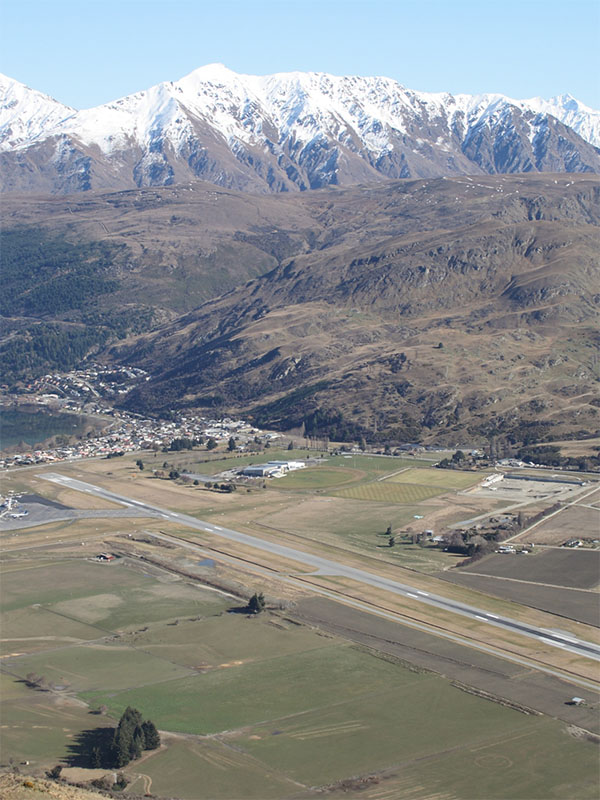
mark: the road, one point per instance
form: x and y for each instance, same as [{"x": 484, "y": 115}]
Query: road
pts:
[{"x": 325, "y": 566}]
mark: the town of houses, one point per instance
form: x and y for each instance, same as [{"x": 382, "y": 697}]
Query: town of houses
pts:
[{"x": 89, "y": 391}]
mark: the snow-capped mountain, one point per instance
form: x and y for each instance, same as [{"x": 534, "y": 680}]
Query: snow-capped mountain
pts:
[
  {"x": 25, "y": 115},
  {"x": 284, "y": 132},
  {"x": 582, "y": 119}
]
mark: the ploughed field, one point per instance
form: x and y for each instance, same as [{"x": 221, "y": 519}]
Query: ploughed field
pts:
[
  {"x": 562, "y": 582},
  {"x": 575, "y": 604},
  {"x": 578, "y": 569}
]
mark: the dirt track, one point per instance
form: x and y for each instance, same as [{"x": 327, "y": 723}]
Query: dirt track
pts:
[{"x": 503, "y": 679}]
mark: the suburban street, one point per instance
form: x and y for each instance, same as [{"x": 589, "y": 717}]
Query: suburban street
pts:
[{"x": 324, "y": 566}]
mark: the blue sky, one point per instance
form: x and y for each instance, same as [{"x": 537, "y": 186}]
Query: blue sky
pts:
[{"x": 86, "y": 52}]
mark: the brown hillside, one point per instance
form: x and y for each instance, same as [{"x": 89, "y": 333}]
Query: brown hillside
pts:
[{"x": 503, "y": 272}]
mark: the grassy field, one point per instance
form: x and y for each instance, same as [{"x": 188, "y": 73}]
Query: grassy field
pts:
[
  {"x": 360, "y": 526},
  {"x": 444, "y": 478},
  {"x": 98, "y": 666},
  {"x": 110, "y": 597},
  {"x": 386, "y": 492},
  {"x": 237, "y": 695},
  {"x": 39, "y": 727},
  {"x": 226, "y": 773},
  {"x": 379, "y": 729},
  {"x": 285, "y": 707},
  {"x": 26, "y": 630},
  {"x": 320, "y": 477}
]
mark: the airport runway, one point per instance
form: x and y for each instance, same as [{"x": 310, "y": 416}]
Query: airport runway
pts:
[{"x": 324, "y": 566}]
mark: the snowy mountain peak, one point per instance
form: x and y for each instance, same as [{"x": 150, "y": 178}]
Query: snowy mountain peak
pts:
[
  {"x": 26, "y": 113},
  {"x": 291, "y": 131},
  {"x": 211, "y": 73}
]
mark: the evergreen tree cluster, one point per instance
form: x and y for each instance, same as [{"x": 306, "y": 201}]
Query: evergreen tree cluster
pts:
[
  {"x": 131, "y": 737},
  {"x": 59, "y": 303}
]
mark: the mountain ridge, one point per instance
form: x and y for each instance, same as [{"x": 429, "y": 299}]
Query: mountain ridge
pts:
[
  {"x": 285, "y": 132},
  {"x": 424, "y": 308}
]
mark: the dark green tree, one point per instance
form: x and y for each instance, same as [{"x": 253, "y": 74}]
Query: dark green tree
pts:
[
  {"x": 151, "y": 735},
  {"x": 290, "y": 445},
  {"x": 211, "y": 444},
  {"x": 257, "y": 603},
  {"x": 137, "y": 743},
  {"x": 95, "y": 758},
  {"x": 121, "y": 749},
  {"x": 231, "y": 445},
  {"x": 128, "y": 738}
]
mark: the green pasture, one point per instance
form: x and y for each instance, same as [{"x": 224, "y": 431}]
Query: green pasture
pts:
[
  {"x": 226, "y": 639},
  {"x": 241, "y": 695},
  {"x": 538, "y": 762},
  {"x": 12, "y": 688},
  {"x": 386, "y": 492},
  {"x": 62, "y": 579},
  {"x": 25, "y": 630},
  {"x": 226, "y": 774},
  {"x": 379, "y": 729},
  {"x": 444, "y": 478},
  {"x": 107, "y": 597},
  {"x": 374, "y": 465},
  {"x": 37, "y": 727},
  {"x": 97, "y": 667}
]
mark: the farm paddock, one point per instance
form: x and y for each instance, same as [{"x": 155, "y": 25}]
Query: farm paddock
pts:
[
  {"x": 575, "y": 604},
  {"x": 574, "y": 569}
]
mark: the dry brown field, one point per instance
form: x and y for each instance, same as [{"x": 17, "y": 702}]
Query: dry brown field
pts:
[
  {"x": 578, "y": 447},
  {"x": 479, "y": 633},
  {"x": 572, "y": 523},
  {"x": 577, "y": 569},
  {"x": 575, "y": 604}
]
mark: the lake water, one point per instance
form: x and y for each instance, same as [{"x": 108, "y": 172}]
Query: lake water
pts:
[{"x": 37, "y": 425}]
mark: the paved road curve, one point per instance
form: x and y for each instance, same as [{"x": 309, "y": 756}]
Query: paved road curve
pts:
[{"x": 325, "y": 566}]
